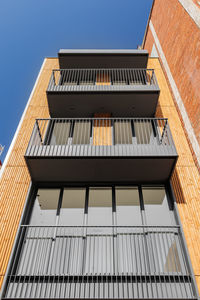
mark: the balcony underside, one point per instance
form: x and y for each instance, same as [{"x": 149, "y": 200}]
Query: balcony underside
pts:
[
  {"x": 69, "y": 58},
  {"x": 103, "y": 169},
  {"x": 130, "y": 103}
]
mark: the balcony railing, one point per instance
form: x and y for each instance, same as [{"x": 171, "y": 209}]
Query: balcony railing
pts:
[
  {"x": 101, "y": 137},
  {"x": 139, "y": 262},
  {"x": 101, "y": 79},
  {"x": 101, "y": 150}
]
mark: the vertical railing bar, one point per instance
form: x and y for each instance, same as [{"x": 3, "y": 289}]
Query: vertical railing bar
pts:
[
  {"x": 20, "y": 256},
  {"x": 35, "y": 239},
  {"x": 34, "y": 251},
  {"x": 46, "y": 247},
  {"x": 133, "y": 76},
  {"x": 37, "y": 259},
  {"x": 36, "y": 138},
  {"x": 174, "y": 256},
  {"x": 67, "y": 77},
  {"x": 48, "y": 134},
  {"x": 168, "y": 275},
  {"x": 75, "y": 137},
  {"x": 127, "y": 264},
  {"x": 158, "y": 265},
  {"x": 150, "y": 235},
  {"x": 81, "y": 135},
  {"x": 161, "y": 259},
  {"x": 146, "y": 258},
  {"x": 145, "y": 76},
  {"x": 60, "y": 272},
  {"x": 184, "y": 259},
  {"x": 141, "y": 235},
  {"x": 25, "y": 239},
  {"x": 62, "y": 137},
  {"x": 171, "y": 262},
  {"x": 51, "y": 148},
  {"x": 133, "y": 243}
]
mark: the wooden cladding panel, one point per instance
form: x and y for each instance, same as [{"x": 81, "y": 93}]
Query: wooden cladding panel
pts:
[
  {"x": 103, "y": 79},
  {"x": 15, "y": 180},
  {"x": 186, "y": 178},
  {"x": 102, "y": 130}
]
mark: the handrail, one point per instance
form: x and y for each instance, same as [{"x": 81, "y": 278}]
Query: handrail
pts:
[
  {"x": 128, "y": 136},
  {"x": 100, "y": 79}
]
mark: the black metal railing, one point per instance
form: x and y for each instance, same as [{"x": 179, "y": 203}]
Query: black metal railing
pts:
[
  {"x": 100, "y": 262},
  {"x": 101, "y": 137},
  {"x": 100, "y": 79}
]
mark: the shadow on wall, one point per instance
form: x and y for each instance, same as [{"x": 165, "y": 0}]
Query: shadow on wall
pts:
[{"x": 178, "y": 192}]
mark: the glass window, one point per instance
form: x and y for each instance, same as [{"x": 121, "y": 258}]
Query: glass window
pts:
[
  {"x": 81, "y": 134},
  {"x": 143, "y": 132},
  {"x": 156, "y": 206},
  {"x": 45, "y": 207},
  {"x": 128, "y": 206},
  {"x": 72, "y": 209},
  {"x": 100, "y": 206},
  {"x": 123, "y": 132},
  {"x": 60, "y": 133}
]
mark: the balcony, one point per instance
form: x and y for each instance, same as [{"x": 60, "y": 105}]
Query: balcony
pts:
[
  {"x": 116, "y": 262},
  {"x": 102, "y": 58},
  {"x": 83, "y": 92},
  {"x": 103, "y": 149}
]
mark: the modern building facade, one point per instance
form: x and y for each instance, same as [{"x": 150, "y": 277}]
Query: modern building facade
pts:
[
  {"x": 99, "y": 190},
  {"x": 173, "y": 34}
]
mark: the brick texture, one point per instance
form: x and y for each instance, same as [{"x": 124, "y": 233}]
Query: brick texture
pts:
[
  {"x": 186, "y": 178},
  {"x": 179, "y": 37}
]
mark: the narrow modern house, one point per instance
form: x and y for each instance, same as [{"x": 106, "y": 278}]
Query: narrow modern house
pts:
[{"x": 96, "y": 185}]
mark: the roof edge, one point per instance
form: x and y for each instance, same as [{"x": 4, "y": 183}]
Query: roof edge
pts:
[{"x": 103, "y": 51}]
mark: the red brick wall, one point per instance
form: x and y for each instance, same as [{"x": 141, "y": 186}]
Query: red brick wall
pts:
[
  {"x": 179, "y": 37},
  {"x": 197, "y": 2}
]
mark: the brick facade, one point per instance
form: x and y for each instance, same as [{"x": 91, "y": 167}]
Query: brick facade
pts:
[{"x": 179, "y": 37}]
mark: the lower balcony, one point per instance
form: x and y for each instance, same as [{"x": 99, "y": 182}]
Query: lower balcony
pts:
[
  {"x": 106, "y": 150},
  {"x": 116, "y": 262}
]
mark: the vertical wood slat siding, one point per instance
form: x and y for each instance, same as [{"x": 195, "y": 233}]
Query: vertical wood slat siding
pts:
[
  {"x": 15, "y": 179},
  {"x": 102, "y": 131},
  {"x": 186, "y": 178}
]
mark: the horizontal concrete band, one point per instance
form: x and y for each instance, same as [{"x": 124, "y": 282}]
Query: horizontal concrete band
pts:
[{"x": 192, "y": 10}]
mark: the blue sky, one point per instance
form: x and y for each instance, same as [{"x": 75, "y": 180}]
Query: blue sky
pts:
[{"x": 33, "y": 29}]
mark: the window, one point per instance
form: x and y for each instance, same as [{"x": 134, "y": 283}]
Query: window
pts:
[
  {"x": 104, "y": 132},
  {"x": 59, "y": 132},
  {"x": 128, "y": 206},
  {"x": 113, "y": 217},
  {"x": 72, "y": 207},
  {"x": 123, "y": 132},
  {"x": 81, "y": 132},
  {"x": 79, "y": 237}
]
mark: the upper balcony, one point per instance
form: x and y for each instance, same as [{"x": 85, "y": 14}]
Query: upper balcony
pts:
[
  {"x": 83, "y": 92},
  {"x": 102, "y": 58},
  {"x": 105, "y": 150}
]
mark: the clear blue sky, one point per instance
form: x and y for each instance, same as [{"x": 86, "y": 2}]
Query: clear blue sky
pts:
[{"x": 33, "y": 29}]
